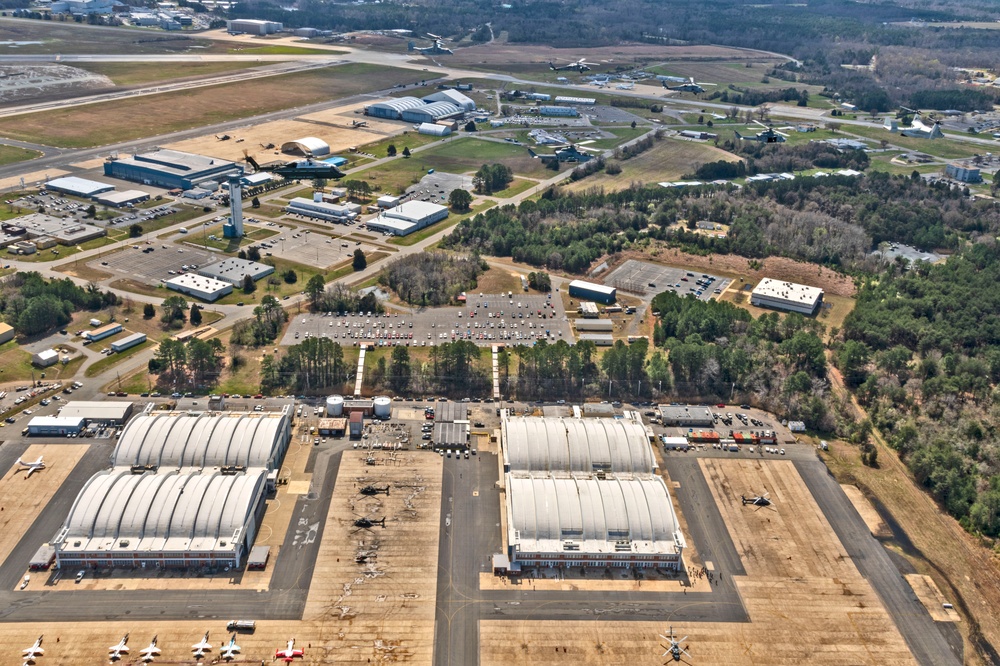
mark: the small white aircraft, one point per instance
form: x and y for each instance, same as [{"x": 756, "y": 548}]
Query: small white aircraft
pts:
[
  {"x": 289, "y": 653},
  {"x": 31, "y": 466},
  {"x": 201, "y": 647},
  {"x": 117, "y": 651},
  {"x": 229, "y": 650},
  {"x": 34, "y": 651},
  {"x": 150, "y": 653}
]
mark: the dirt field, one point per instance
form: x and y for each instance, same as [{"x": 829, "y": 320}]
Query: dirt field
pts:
[
  {"x": 875, "y": 524},
  {"x": 735, "y": 266},
  {"x": 930, "y": 596},
  {"x": 807, "y": 602},
  {"x": 390, "y": 597}
]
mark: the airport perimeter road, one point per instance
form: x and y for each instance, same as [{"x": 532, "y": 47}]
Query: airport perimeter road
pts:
[{"x": 926, "y": 642}]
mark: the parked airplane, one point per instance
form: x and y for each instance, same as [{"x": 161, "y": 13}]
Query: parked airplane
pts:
[
  {"x": 201, "y": 647},
  {"x": 289, "y": 653},
  {"x": 149, "y": 653},
  {"x": 228, "y": 651},
  {"x": 917, "y": 129},
  {"x": 625, "y": 86},
  {"x": 34, "y": 651},
  {"x": 31, "y": 466},
  {"x": 689, "y": 85},
  {"x": 116, "y": 652},
  {"x": 580, "y": 65}
]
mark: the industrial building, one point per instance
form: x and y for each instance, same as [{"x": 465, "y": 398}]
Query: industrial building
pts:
[
  {"x": 122, "y": 199},
  {"x": 451, "y": 436},
  {"x": 585, "y": 101},
  {"x": 686, "y": 416},
  {"x": 408, "y": 217},
  {"x": 431, "y": 113},
  {"x": 233, "y": 270},
  {"x": 47, "y": 230},
  {"x": 6, "y": 333},
  {"x": 578, "y": 521},
  {"x": 254, "y": 26},
  {"x": 558, "y": 111},
  {"x": 308, "y": 146},
  {"x": 780, "y": 295},
  {"x": 128, "y": 341},
  {"x": 387, "y": 201},
  {"x": 588, "y": 310},
  {"x": 111, "y": 413},
  {"x": 433, "y": 129},
  {"x": 102, "y": 332},
  {"x": 320, "y": 210},
  {"x": 170, "y": 169},
  {"x": 392, "y": 109},
  {"x": 583, "y": 492},
  {"x": 569, "y": 446},
  {"x": 963, "y": 173},
  {"x": 207, "y": 289},
  {"x": 453, "y": 96},
  {"x": 45, "y": 358},
  {"x": 594, "y": 325},
  {"x": 54, "y": 426},
  {"x": 592, "y": 292},
  {"x": 599, "y": 339},
  {"x": 78, "y": 187},
  {"x": 256, "y": 179}
]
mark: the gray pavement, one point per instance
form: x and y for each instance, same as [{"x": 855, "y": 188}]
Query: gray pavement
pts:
[{"x": 648, "y": 279}]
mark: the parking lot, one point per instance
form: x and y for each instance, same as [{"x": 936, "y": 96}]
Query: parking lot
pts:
[
  {"x": 162, "y": 263},
  {"x": 312, "y": 247},
  {"x": 59, "y": 206},
  {"x": 485, "y": 320},
  {"x": 642, "y": 277}
]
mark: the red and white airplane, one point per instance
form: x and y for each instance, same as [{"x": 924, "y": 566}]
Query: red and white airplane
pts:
[{"x": 289, "y": 653}]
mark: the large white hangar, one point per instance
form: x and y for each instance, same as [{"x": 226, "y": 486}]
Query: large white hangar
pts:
[
  {"x": 191, "y": 518},
  {"x": 589, "y": 446},
  {"x": 574, "y": 522},
  {"x": 183, "y": 490},
  {"x": 308, "y": 146},
  {"x": 584, "y": 492}
]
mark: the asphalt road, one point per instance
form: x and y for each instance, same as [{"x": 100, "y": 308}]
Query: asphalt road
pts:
[{"x": 928, "y": 645}]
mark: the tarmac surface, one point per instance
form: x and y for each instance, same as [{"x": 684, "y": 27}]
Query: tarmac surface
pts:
[{"x": 645, "y": 278}]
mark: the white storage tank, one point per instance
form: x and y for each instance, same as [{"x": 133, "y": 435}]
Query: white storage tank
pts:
[
  {"x": 335, "y": 405},
  {"x": 383, "y": 407}
]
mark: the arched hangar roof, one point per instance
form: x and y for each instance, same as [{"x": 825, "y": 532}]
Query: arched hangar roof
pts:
[
  {"x": 398, "y": 104},
  {"x": 598, "y": 515},
  {"x": 308, "y": 145},
  {"x": 201, "y": 440},
  {"x": 576, "y": 445}
]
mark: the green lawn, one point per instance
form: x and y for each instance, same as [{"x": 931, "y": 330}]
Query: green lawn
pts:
[
  {"x": 12, "y": 154},
  {"x": 943, "y": 148},
  {"x": 408, "y": 139},
  {"x": 279, "y": 290},
  {"x": 230, "y": 245},
  {"x": 109, "y": 361},
  {"x": 133, "y": 73}
]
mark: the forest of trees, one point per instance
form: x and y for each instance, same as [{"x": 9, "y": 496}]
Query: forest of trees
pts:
[
  {"x": 431, "y": 278},
  {"x": 33, "y": 305}
]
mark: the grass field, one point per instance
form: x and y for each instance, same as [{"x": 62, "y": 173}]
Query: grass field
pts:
[
  {"x": 70, "y": 37},
  {"x": 282, "y": 49},
  {"x": 114, "y": 359},
  {"x": 231, "y": 245},
  {"x": 943, "y": 148},
  {"x": 12, "y": 154},
  {"x": 667, "y": 160},
  {"x": 132, "y": 74},
  {"x": 152, "y": 115}
]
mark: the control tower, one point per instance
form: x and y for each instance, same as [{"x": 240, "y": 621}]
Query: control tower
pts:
[{"x": 234, "y": 228}]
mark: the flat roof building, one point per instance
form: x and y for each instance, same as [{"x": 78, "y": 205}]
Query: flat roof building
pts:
[
  {"x": 6, "y": 333},
  {"x": 780, "y": 295},
  {"x": 45, "y": 358},
  {"x": 254, "y": 26},
  {"x": 120, "y": 199},
  {"x": 585, "y": 101},
  {"x": 233, "y": 270},
  {"x": 192, "y": 284},
  {"x": 599, "y": 339},
  {"x": 408, "y": 217},
  {"x": 686, "y": 416},
  {"x": 106, "y": 413},
  {"x": 170, "y": 169},
  {"x": 102, "y": 332},
  {"x": 454, "y": 436},
  {"x": 54, "y": 426},
  {"x": 558, "y": 111},
  {"x": 128, "y": 341},
  {"x": 593, "y": 292},
  {"x": 594, "y": 325},
  {"x": 963, "y": 173},
  {"x": 66, "y": 231},
  {"x": 79, "y": 187},
  {"x": 320, "y": 210}
]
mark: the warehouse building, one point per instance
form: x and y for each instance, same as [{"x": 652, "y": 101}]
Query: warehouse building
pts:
[
  {"x": 102, "y": 332},
  {"x": 458, "y": 99},
  {"x": 112, "y": 413},
  {"x": 431, "y": 113},
  {"x": 308, "y": 146},
  {"x": 433, "y": 129},
  {"x": 594, "y": 325},
  {"x": 233, "y": 270},
  {"x": 392, "y": 109},
  {"x": 569, "y": 446},
  {"x": 451, "y": 436},
  {"x": 54, "y": 426},
  {"x": 320, "y": 210},
  {"x": 45, "y": 358},
  {"x": 599, "y": 339},
  {"x": 200, "y": 287},
  {"x": 128, "y": 341},
  {"x": 78, "y": 187},
  {"x": 408, "y": 217},
  {"x": 254, "y": 26},
  {"x": 585, "y": 101},
  {"x": 6, "y": 333},
  {"x": 780, "y": 295},
  {"x": 122, "y": 199},
  {"x": 686, "y": 416},
  {"x": 592, "y": 292},
  {"x": 577, "y": 521},
  {"x": 256, "y": 179},
  {"x": 170, "y": 169},
  {"x": 963, "y": 173},
  {"x": 47, "y": 230},
  {"x": 558, "y": 111}
]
